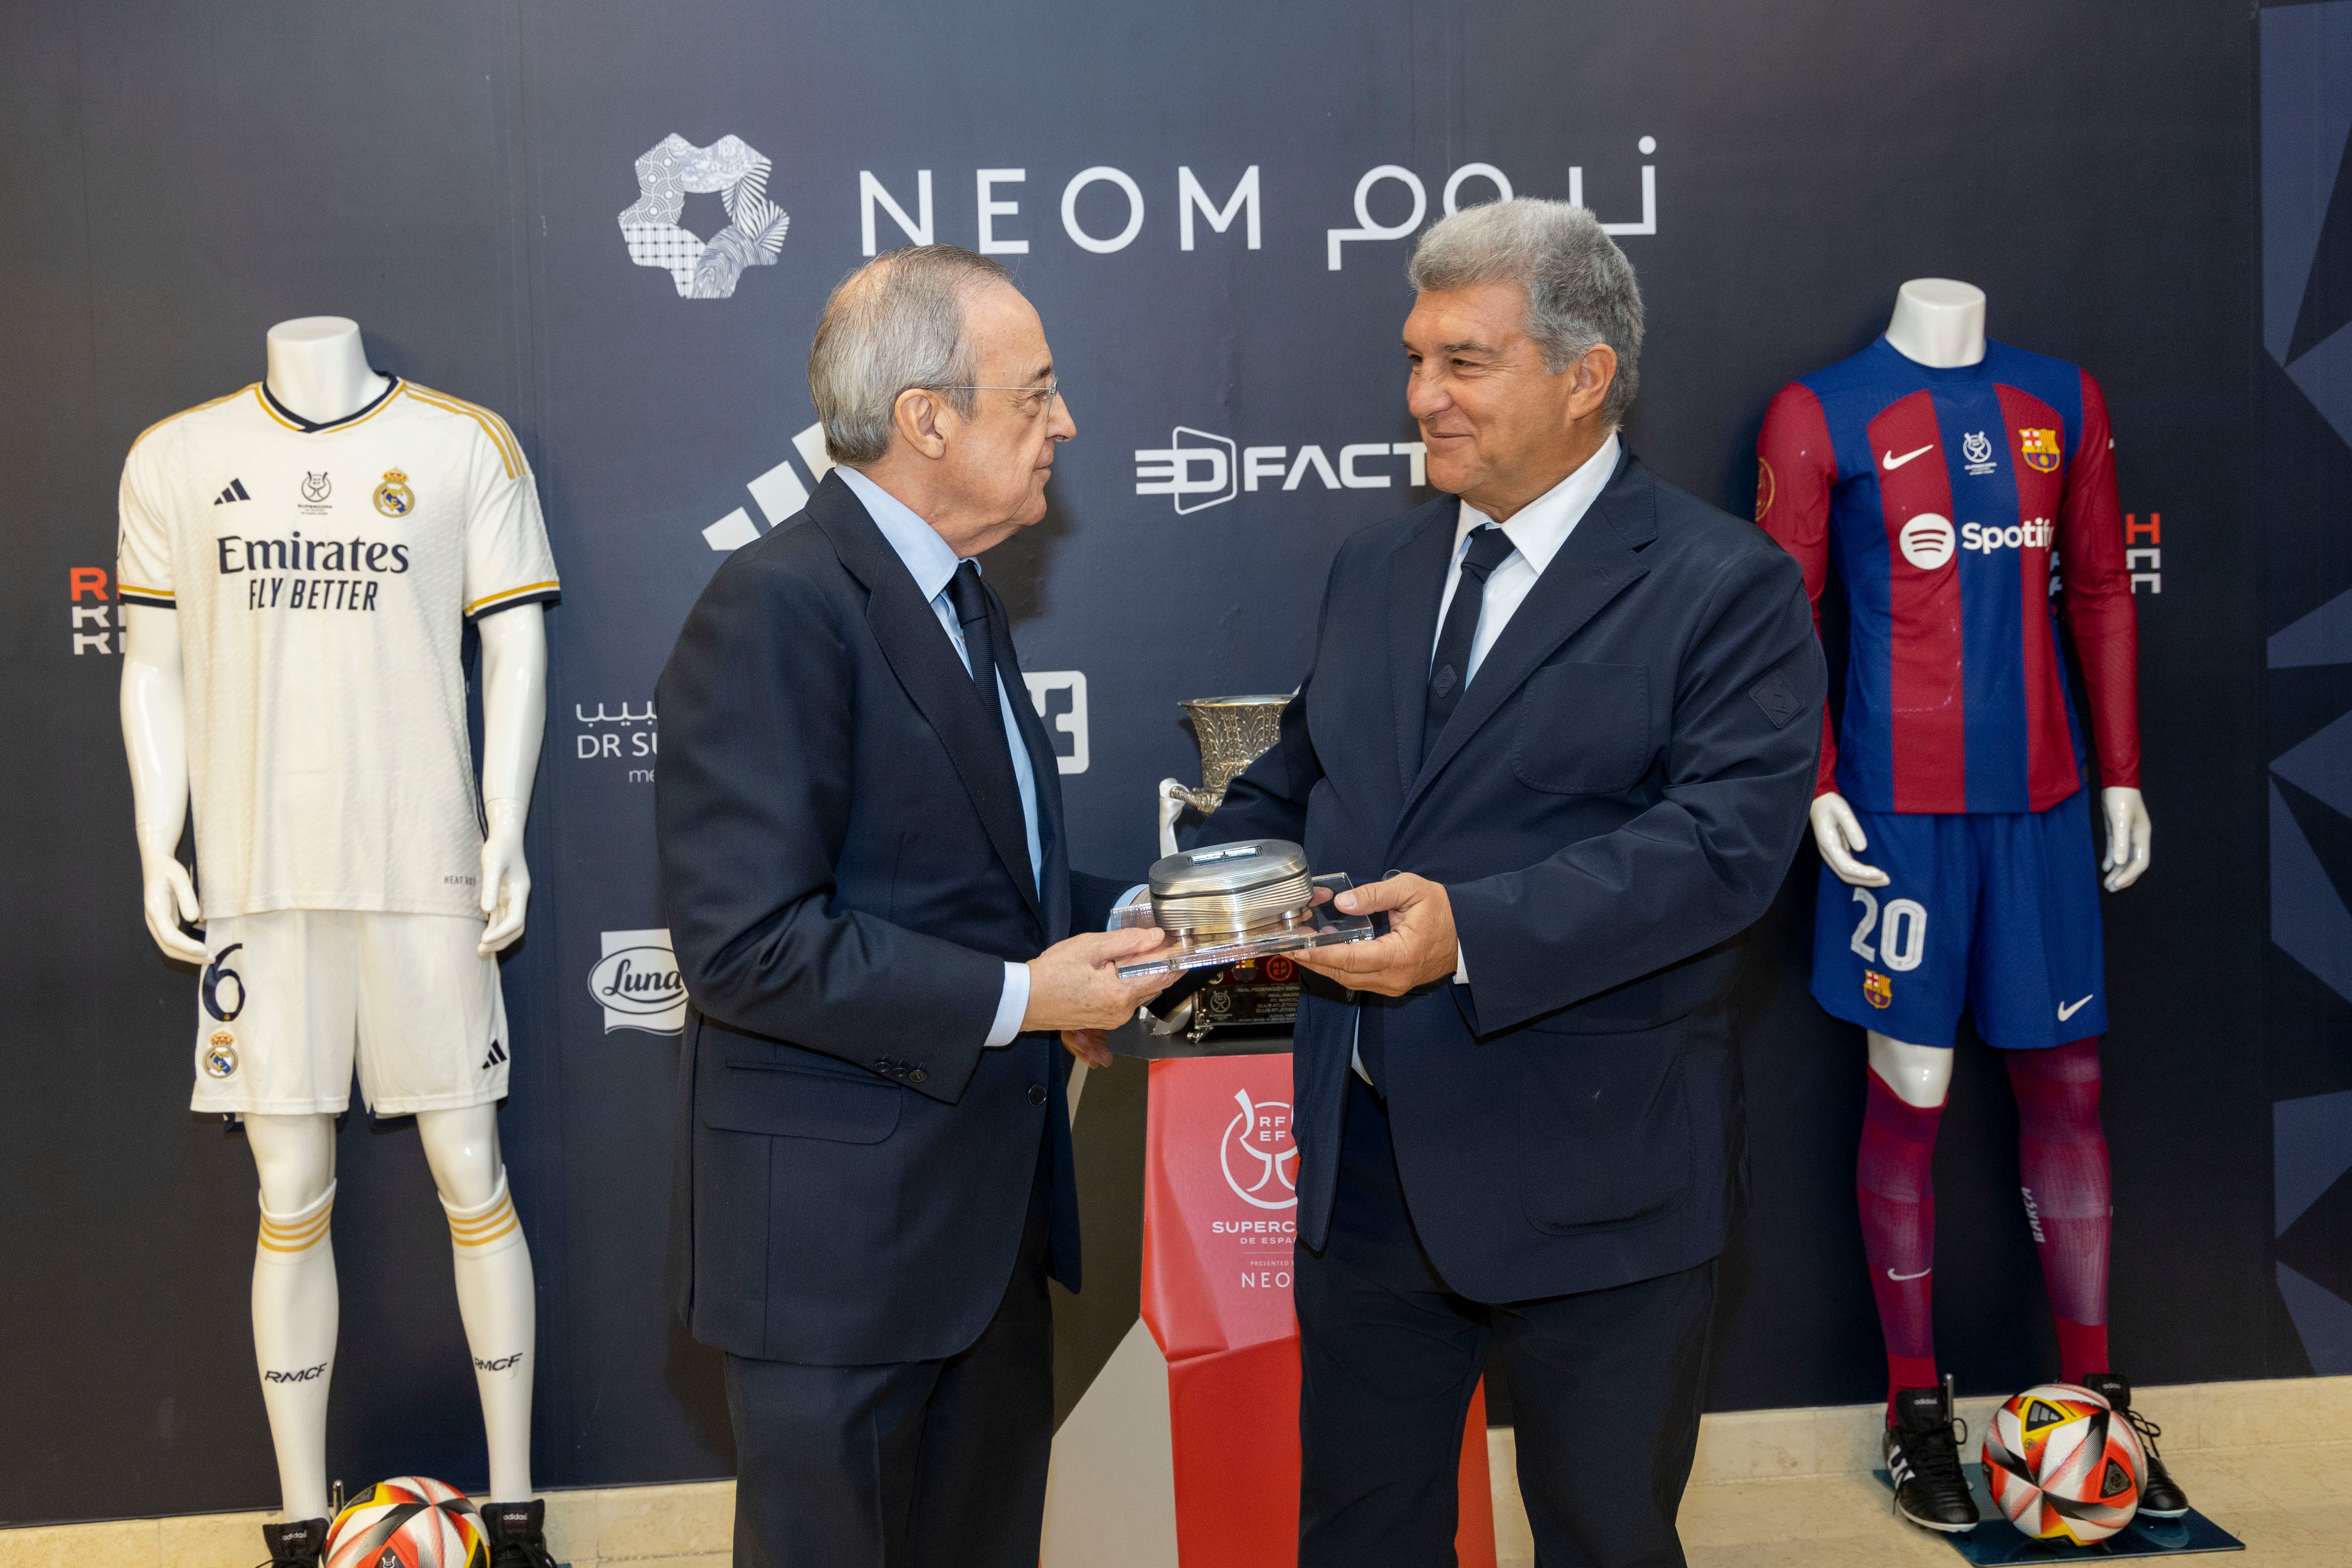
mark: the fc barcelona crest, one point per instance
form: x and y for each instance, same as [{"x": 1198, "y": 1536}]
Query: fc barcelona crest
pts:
[
  {"x": 1764, "y": 487},
  {"x": 1878, "y": 988},
  {"x": 393, "y": 498},
  {"x": 2039, "y": 449}
]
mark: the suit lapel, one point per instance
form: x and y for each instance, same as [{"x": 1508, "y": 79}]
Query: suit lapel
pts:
[
  {"x": 1416, "y": 582},
  {"x": 935, "y": 680},
  {"x": 1599, "y": 559}
]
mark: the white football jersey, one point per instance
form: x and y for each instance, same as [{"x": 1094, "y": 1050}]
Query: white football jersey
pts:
[{"x": 323, "y": 575}]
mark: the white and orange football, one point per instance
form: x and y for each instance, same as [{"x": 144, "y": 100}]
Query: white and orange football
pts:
[
  {"x": 408, "y": 1522},
  {"x": 2063, "y": 1465}
]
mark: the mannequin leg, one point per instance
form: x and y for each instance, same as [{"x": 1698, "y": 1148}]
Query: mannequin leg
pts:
[
  {"x": 496, "y": 1297},
  {"x": 295, "y": 1304},
  {"x": 2062, "y": 1155},
  {"x": 1894, "y": 1182}
]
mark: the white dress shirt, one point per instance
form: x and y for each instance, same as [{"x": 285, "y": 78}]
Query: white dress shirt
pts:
[
  {"x": 1536, "y": 531},
  {"x": 932, "y": 564}
]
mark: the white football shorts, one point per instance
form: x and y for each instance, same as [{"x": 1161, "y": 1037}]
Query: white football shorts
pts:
[{"x": 286, "y": 996}]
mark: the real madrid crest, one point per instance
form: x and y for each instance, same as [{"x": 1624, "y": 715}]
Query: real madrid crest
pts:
[
  {"x": 393, "y": 498},
  {"x": 220, "y": 1054}
]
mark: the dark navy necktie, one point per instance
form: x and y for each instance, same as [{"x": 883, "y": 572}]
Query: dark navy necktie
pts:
[
  {"x": 1449, "y": 671},
  {"x": 969, "y": 601}
]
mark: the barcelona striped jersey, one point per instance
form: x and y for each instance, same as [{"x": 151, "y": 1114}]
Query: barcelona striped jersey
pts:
[{"x": 1943, "y": 497}]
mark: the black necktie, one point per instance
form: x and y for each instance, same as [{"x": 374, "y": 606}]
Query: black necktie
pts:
[
  {"x": 980, "y": 650},
  {"x": 1449, "y": 671}
]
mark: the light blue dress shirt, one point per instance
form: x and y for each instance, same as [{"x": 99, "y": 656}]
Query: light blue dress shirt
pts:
[{"x": 931, "y": 564}]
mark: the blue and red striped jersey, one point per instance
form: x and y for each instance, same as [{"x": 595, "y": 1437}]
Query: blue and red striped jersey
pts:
[{"x": 1941, "y": 495}]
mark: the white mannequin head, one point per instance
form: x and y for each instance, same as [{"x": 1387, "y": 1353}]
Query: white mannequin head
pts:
[{"x": 1938, "y": 323}]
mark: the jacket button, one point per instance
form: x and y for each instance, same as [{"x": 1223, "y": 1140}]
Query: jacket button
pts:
[
  {"x": 881, "y": 1063},
  {"x": 916, "y": 1076},
  {"x": 1036, "y": 1094}
]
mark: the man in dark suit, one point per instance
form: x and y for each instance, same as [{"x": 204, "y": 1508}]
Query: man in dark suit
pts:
[
  {"x": 1562, "y": 720},
  {"x": 862, "y": 853}
]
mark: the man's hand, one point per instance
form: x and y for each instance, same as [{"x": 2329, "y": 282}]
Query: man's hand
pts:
[
  {"x": 1074, "y": 987},
  {"x": 1839, "y": 835},
  {"x": 1420, "y": 947}
]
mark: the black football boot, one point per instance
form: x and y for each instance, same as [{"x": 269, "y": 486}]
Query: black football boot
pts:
[
  {"x": 1923, "y": 1455},
  {"x": 518, "y": 1534},
  {"x": 296, "y": 1544},
  {"x": 2161, "y": 1496}
]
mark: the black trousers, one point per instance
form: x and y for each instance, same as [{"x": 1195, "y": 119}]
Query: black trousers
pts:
[
  {"x": 1606, "y": 1386},
  {"x": 928, "y": 1463}
]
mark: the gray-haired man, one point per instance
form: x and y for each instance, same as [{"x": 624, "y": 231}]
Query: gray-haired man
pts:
[
  {"x": 1563, "y": 719},
  {"x": 862, "y": 848}
]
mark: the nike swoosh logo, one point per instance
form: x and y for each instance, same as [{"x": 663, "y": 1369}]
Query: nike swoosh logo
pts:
[
  {"x": 2065, "y": 1012},
  {"x": 1898, "y": 1278},
  {"x": 1893, "y": 462}
]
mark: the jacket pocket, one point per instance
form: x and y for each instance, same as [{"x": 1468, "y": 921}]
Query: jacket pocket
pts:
[
  {"x": 1584, "y": 729},
  {"x": 785, "y": 1102},
  {"x": 1604, "y": 1128}
]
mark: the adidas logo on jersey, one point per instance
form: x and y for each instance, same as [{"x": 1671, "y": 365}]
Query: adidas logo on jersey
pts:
[
  {"x": 235, "y": 492},
  {"x": 497, "y": 1054},
  {"x": 2031, "y": 535}
]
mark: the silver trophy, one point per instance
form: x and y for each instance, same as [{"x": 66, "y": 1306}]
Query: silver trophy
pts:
[{"x": 1232, "y": 733}]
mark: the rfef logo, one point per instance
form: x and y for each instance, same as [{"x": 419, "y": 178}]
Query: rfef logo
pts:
[
  {"x": 637, "y": 983},
  {"x": 1258, "y": 1155}
]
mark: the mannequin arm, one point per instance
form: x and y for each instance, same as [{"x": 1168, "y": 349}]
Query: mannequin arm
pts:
[
  {"x": 2127, "y": 838},
  {"x": 155, "y": 734},
  {"x": 514, "y": 720},
  {"x": 1840, "y": 837}
]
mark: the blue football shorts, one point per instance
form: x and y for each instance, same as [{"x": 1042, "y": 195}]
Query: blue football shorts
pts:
[{"x": 1995, "y": 912}]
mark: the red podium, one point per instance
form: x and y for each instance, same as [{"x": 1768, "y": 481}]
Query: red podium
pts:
[{"x": 1220, "y": 1212}]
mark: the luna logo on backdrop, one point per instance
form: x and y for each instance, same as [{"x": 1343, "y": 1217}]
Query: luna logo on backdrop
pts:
[{"x": 1101, "y": 222}]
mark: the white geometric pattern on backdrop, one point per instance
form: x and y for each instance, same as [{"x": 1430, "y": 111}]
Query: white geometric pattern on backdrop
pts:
[{"x": 667, "y": 171}]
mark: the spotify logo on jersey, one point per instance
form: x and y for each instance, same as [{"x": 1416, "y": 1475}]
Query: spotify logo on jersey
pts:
[{"x": 1927, "y": 540}]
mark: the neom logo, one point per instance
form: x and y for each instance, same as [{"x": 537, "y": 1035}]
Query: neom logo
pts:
[{"x": 643, "y": 979}]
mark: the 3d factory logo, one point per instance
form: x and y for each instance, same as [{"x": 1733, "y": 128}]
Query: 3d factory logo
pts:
[{"x": 755, "y": 232}]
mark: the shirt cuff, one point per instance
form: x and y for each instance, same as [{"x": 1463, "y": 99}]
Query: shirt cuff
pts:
[
  {"x": 1010, "y": 1006},
  {"x": 1461, "y": 966}
]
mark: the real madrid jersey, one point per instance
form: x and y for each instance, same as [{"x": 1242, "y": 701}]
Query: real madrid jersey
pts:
[
  {"x": 323, "y": 575},
  {"x": 1942, "y": 495}
]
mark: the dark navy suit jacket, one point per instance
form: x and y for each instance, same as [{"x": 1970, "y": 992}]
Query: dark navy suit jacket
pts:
[
  {"x": 1616, "y": 798},
  {"x": 846, "y": 874}
]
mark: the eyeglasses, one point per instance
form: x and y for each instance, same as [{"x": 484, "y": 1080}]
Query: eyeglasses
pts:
[{"x": 1039, "y": 401}]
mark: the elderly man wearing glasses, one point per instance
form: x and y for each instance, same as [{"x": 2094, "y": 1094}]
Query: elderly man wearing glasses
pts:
[{"x": 863, "y": 852}]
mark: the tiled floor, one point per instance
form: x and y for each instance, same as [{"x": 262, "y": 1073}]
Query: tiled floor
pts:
[
  {"x": 2290, "y": 1505},
  {"x": 1772, "y": 1488}
]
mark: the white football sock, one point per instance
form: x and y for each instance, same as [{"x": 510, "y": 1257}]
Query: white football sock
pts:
[
  {"x": 295, "y": 1313},
  {"x": 500, "y": 1304}
]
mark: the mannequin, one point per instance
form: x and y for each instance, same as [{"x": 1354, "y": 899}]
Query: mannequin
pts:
[
  {"x": 1940, "y": 323},
  {"x": 318, "y": 370},
  {"x": 1933, "y": 459}
]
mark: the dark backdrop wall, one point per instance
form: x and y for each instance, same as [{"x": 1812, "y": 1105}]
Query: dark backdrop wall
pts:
[{"x": 1211, "y": 203}]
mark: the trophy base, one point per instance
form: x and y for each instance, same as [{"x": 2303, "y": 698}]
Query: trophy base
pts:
[{"x": 1321, "y": 926}]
